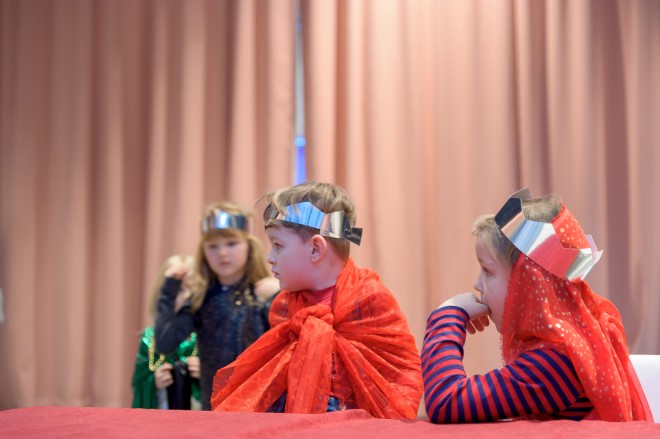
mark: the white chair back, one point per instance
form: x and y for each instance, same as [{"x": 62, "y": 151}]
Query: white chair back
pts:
[{"x": 647, "y": 368}]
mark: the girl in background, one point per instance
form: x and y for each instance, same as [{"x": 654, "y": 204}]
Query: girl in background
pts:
[
  {"x": 230, "y": 294},
  {"x": 153, "y": 371}
]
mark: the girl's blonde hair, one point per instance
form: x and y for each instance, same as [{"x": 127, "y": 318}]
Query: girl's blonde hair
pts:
[
  {"x": 186, "y": 260},
  {"x": 326, "y": 197},
  {"x": 542, "y": 209},
  {"x": 201, "y": 277}
]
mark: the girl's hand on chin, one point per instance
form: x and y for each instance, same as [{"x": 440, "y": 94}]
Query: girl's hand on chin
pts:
[{"x": 477, "y": 311}]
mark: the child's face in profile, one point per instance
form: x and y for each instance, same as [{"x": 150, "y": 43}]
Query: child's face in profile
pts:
[
  {"x": 492, "y": 282},
  {"x": 290, "y": 258},
  {"x": 227, "y": 257}
]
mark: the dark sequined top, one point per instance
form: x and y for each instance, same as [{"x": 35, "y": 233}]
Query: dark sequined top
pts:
[{"x": 230, "y": 319}]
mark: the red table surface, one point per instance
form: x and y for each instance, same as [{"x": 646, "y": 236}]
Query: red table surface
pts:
[{"x": 92, "y": 422}]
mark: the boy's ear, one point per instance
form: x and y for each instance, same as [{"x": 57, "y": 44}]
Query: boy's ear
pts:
[{"x": 319, "y": 247}]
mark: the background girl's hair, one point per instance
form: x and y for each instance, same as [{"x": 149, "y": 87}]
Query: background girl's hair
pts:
[
  {"x": 186, "y": 260},
  {"x": 202, "y": 276}
]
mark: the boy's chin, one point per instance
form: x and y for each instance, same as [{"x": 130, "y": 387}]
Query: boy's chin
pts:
[{"x": 291, "y": 288}]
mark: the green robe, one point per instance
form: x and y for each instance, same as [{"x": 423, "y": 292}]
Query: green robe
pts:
[{"x": 145, "y": 394}]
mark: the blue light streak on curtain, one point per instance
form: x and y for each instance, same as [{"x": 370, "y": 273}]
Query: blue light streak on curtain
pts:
[{"x": 299, "y": 142}]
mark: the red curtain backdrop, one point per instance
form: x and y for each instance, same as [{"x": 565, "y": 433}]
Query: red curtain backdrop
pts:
[
  {"x": 120, "y": 120},
  {"x": 432, "y": 112}
]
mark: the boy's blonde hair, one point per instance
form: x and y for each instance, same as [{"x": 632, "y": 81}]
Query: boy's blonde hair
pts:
[
  {"x": 202, "y": 276},
  {"x": 542, "y": 209},
  {"x": 326, "y": 197},
  {"x": 186, "y": 260}
]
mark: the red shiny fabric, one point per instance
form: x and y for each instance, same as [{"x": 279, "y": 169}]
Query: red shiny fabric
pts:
[
  {"x": 545, "y": 311},
  {"x": 360, "y": 351}
]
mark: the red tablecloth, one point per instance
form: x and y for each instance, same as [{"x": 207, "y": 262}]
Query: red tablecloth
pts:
[{"x": 90, "y": 422}]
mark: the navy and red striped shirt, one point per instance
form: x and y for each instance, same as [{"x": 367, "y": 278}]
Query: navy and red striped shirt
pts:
[{"x": 538, "y": 382}]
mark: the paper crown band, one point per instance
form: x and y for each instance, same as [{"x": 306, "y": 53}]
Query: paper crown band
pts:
[
  {"x": 539, "y": 241},
  {"x": 334, "y": 224},
  {"x": 219, "y": 219}
]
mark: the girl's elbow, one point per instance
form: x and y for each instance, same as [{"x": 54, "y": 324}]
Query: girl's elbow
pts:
[
  {"x": 436, "y": 412},
  {"x": 437, "y": 417}
]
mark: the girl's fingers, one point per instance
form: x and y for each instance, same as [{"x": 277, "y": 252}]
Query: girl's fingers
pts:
[{"x": 478, "y": 324}]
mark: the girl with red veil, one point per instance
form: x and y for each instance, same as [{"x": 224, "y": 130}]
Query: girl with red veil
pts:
[{"x": 563, "y": 345}]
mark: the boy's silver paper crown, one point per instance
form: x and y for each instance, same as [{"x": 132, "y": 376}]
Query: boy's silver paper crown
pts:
[
  {"x": 539, "y": 241},
  {"x": 334, "y": 224},
  {"x": 219, "y": 219}
]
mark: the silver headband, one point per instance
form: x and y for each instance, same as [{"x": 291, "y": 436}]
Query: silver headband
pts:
[
  {"x": 539, "y": 241},
  {"x": 334, "y": 224},
  {"x": 219, "y": 219}
]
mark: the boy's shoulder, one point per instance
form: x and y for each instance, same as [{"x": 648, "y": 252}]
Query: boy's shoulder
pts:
[{"x": 367, "y": 281}]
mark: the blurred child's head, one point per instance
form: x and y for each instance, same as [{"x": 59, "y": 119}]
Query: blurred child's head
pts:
[
  {"x": 227, "y": 250},
  {"x": 300, "y": 218},
  {"x": 497, "y": 254},
  {"x": 185, "y": 260}
]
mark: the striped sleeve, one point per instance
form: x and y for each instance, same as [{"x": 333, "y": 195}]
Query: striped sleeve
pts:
[{"x": 538, "y": 382}]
